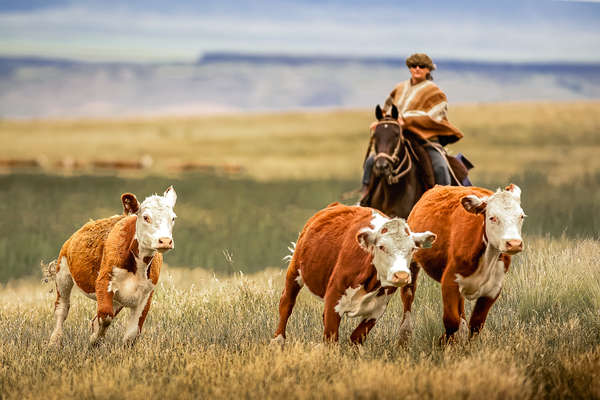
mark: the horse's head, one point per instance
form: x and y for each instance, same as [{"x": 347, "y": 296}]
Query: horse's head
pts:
[{"x": 387, "y": 140}]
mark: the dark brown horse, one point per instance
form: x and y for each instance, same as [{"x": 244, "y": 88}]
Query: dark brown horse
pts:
[{"x": 402, "y": 169}]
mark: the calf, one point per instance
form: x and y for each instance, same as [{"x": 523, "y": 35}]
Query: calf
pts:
[
  {"x": 354, "y": 258},
  {"x": 116, "y": 261},
  {"x": 478, "y": 231}
]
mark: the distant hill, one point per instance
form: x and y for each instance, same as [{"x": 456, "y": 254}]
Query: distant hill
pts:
[{"x": 221, "y": 82}]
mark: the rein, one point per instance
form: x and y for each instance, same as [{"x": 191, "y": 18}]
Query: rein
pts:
[{"x": 403, "y": 166}]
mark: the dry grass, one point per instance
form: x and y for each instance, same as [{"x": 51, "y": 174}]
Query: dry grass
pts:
[
  {"x": 327, "y": 144},
  {"x": 208, "y": 336}
]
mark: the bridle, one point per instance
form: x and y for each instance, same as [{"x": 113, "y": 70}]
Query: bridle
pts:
[{"x": 399, "y": 167}]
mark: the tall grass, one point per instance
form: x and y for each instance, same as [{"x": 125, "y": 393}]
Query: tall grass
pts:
[{"x": 207, "y": 336}]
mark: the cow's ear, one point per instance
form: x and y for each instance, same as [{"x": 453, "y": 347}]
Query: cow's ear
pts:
[
  {"x": 424, "y": 240},
  {"x": 378, "y": 113},
  {"x": 170, "y": 195},
  {"x": 394, "y": 112},
  {"x": 366, "y": 239},
  {"x": 515, "y": 191},
  {"x": 130, "y": 203},
  {"x": 473, "y": 204}
]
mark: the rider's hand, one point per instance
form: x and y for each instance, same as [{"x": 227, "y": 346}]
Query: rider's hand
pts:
[{"x": 401, "y": 121}]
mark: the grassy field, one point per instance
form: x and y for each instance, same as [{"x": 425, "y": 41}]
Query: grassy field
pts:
[
  {"x": 207, "y": 333},
  {"x": 208, "y": 336},
  {"x": 501, "y": 139},
  {"x": 230, "y": 225}
]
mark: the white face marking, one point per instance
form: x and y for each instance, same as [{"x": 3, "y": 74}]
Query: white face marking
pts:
[
  {"x": 154, "y": 226},
  {"x": 392, "y": 245},
  {"x": 504, "y": 219}
]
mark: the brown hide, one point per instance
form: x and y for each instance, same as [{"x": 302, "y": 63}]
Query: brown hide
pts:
[
  {"x": 458, "y": 249},
  {"x": 99, "y": 246},
  {"x": 84, "y": 249},
  {"x": 329, "y": 260},
  {"x": 459, "y": 233},
  {"x": 327, "y": 252}
]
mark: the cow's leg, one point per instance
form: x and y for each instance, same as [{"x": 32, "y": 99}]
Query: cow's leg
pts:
[
  {"x": 362, "y": 330},
  {"x": 100, "y": 325},
  {"x": 293, "y": 284},
  {"x": 64, "y": 284},
  {"x": 451, "y": 299},
  {"x": 463, "y": 330},
  {"x": 480, "y": 312},
  {"x": 106, "y": 309},
  {"x": 136, "y": 320},
  {"x": 331, "y": 318},
  {"x": 408, "y": 296}
]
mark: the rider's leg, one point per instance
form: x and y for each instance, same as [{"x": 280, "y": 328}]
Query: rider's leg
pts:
[
  {"x": 440, "y": 168},
  {"x": 367, "y": 169}
]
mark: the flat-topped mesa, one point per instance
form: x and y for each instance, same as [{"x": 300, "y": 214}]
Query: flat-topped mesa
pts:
[{"x": 116, "y": 261}]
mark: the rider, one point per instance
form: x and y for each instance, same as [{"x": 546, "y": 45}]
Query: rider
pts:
[{"x": 422, "y": 108}]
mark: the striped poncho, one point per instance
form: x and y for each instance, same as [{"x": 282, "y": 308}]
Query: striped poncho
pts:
[{"x": 424, "y": 108}]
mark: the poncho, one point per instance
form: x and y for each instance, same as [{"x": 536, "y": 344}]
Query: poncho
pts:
[{"x": 424, "y": 108}]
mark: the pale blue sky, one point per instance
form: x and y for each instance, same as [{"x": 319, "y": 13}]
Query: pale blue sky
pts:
[{"x": 153, "y": 30}]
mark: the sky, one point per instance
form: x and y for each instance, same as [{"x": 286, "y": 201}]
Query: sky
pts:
[{"x": 181, "y": 31}]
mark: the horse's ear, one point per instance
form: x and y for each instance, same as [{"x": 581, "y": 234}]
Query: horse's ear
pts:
[
  {"x": 394, "y": 112},
  {"x": 378, "y": 113}
]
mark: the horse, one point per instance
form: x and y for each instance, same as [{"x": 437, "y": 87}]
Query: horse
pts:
[{"x": 402, "y": 170}]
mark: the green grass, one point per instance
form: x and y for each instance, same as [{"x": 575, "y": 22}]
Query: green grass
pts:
[
  {"x": 207, "y": 336},
  {"x": 230, "y": 225}
]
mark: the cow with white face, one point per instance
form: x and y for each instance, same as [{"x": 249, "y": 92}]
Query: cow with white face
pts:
[
  {"x": 354, "y": 258},
  {"x": 478, "y": 232},
  {"x": 503, "y": 215},
  {"x": 116, "y": 261}
]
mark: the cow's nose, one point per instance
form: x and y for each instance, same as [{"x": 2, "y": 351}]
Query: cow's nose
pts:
[
  {"x": 165, "y": 243},
  {"x": 401, "y": 278},
  {"x": 514, "y": 245}
]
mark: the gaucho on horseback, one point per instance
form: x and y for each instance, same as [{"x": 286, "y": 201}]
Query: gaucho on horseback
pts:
[{"x": 407, "y": 146}]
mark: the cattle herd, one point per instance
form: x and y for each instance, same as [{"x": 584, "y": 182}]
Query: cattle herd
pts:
[{"x": 353, "y": 258}]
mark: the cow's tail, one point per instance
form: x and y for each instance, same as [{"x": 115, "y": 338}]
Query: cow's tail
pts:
[
  {"x": 292, "y": 249},
  {"x": 48, "y": 271}
]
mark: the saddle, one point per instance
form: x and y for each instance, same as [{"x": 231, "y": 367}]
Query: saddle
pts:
[{"x": 458, "y": 165}]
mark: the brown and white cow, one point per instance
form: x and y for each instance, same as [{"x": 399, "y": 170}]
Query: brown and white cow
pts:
[
  {"x": 354, "y": 258},
  {"x": 116, "y": 261},
  {"x": 477, "y": 232}
]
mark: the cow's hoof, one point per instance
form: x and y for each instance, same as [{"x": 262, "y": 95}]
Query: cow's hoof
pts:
[
  {"x": 55, "y": 340},
  {"x": 277, "y": 342},
  {"x": 462, "y": 336},
  {"x": 405, "y": 332}
]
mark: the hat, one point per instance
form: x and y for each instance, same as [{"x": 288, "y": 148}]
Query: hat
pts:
[{"x": 420, "y": 59}]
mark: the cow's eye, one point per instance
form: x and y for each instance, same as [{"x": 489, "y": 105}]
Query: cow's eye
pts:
[
  {"x": 147, "y": 219},
  {"x": 523, "y": 216},
  {"x": 382, "y": 248},
  {"x": 494, "y": 220}
]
